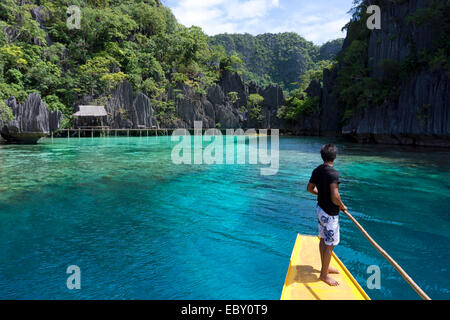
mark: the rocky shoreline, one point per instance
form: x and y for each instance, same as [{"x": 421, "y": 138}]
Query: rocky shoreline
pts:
[
  {"x": 32, "y": 120},
  {"x": 419, "y": 117},
  {"x": 388, "y": 124}
]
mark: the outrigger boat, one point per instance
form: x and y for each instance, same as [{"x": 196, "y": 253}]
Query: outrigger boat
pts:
[{"x": 302, "y": 279}]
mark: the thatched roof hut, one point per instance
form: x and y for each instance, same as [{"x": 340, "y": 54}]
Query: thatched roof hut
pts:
[
  {"x": 91, "y": 111},
  {"x": 90, "y": 116}
]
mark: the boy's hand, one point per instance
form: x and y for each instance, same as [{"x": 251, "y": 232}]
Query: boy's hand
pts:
[
  {"x": 312, "y": 189},
  {"x": 344, "y": 208}
]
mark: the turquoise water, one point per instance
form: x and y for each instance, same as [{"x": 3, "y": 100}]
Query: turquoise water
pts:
[{"x": 140, "y": 227}]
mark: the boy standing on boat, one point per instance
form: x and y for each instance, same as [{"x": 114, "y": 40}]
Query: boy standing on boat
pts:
[{"x": 324, "y": 183}]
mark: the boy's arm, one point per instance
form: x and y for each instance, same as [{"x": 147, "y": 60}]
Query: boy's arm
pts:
[
  {"x": 312, "y": 189},
  {"x": 336, "y": 197}
]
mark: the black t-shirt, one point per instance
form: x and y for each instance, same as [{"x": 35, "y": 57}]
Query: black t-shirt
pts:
[{"x": 322, "y": 177}]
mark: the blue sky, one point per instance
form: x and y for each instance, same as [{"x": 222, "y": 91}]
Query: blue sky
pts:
[{"x": 317, "y": 21}]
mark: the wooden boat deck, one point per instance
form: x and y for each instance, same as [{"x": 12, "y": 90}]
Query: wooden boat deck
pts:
[{"x": 302, "y": 279}]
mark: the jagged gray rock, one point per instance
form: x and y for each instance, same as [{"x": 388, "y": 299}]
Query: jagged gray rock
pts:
[
  {"x": 215, "y": 108},
  {"x": 32, "y": 120},
  {"x": 273, "y": 99},
  {"x": 127, "y": 112},
  {"x": 30, "y": 116},
  {"x": 392, "y": 42},
  {"x": 421, "y": 116},
  {"x": 225, "y": 113},
  {"x": 36, "y": 13},
  {"x": 309, "y": 124},
  {"x": 330, "y": 115},
  {"x": 55, "y": 119},
  {"x": 144, "y": 111},
  {"x": 233, "y": 82}
]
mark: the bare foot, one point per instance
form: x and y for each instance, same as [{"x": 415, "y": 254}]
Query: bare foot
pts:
[
  {"x": 330, "y": 281},
  {"x": 332, "y": 270}
]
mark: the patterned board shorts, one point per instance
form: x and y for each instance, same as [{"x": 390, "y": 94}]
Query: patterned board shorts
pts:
[{"x": 328, "y": 227}]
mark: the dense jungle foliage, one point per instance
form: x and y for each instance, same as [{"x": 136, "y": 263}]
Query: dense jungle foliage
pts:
[
  {"x": 139, "y": 41},
  {"x": 276, "y": 58}
]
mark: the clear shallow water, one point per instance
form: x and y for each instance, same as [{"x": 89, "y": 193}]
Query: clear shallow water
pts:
[{"x": 140, "y": 227}]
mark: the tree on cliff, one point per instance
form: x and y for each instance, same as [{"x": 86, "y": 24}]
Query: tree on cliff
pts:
[
  {"x": 254, "y": 107},
  {"x": 299, "y": 102},
  {"x": 6, "y": 114}
]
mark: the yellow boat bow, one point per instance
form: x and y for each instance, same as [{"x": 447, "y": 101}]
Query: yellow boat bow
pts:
[{"x": 302, "y": 279}]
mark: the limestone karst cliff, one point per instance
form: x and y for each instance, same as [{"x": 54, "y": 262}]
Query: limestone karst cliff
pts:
[{"x": 416, "y": 110}]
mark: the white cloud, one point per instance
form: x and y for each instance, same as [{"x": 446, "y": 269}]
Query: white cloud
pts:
[
  {"x": 219, "y": 16},
  {"x": 317, "y": 21}
]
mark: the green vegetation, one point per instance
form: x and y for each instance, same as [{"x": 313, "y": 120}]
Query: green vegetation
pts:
[
  {"x": 139, "y": 41},
  {"x": 360, "y": 84},
  {"x": 254, "y": 107},
  {"x": 286, "y": 59},
  {"x": 315, "y": 73},
  {"x": 135, "y": 40},
  {"x": 436, "y": 15},
  {"x": 276, "y": 58},
  {"x": 233, "y": 96},
  {"x": 6, "y": 114},
  {"x": 357, "y": 88},
  {"x": 299, "y": 102},
  {"x": 330, "y": 49}
]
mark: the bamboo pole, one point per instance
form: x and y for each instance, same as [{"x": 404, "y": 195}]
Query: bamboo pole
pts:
[{"x": 402, "y": 272}]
